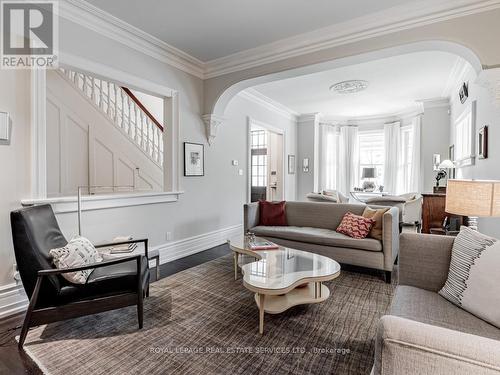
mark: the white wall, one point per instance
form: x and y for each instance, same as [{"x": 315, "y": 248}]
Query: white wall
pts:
[
  {"x": 209, "y": 203},
  {"x": 14, "y": 159},
  {"x": 306, "y": 132},
  {"x": 153, "y": 104},
  {"x": 487, "y": 114},
  {"x": 237, "y": 113},
  {"x": 435, "y": 135}
]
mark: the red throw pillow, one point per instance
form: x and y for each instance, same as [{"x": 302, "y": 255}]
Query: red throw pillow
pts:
[
  {"x": 272, "y": 213},
  {"x": 355, "y": 226}
]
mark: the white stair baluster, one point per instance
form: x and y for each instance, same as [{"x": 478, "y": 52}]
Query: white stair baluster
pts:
[
  {"x": 92, "y": 89},
  {"x": 143, "y": 144},
  {"x": 123, "y": 110},
  {"x": 136, "y": 125},
  {"x": 129, "y": 112},
  {"x": 108, "y": 109},
  {"x": 101, "y": 95},
  {"x": 116, "y": 102},
  {"x": 148, "y": 147},
  {"x": 153, "y": 136}
]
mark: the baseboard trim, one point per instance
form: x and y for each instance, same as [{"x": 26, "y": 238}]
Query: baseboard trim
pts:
[
  {"x": 179, "y": 249},
  {"x": 13, "y": 300}
]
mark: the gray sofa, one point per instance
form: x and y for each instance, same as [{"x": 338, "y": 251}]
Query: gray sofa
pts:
[
  {"x": 424, "y": 333},
  {"x": 311, "y": 227}
]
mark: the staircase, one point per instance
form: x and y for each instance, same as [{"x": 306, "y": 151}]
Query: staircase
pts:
[{"x": 124, "y": 110}]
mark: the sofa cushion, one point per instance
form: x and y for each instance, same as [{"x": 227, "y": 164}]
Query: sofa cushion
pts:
[
  {"x": 318, "y": 236},
  {"x": 376, "y": 214},
  {"x": 319, "y": 214},
  {"x": 272, "y": 213},
  {"x": 430, "y": 308}
]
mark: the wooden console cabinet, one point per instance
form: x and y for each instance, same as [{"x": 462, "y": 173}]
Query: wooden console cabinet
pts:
[{"x": 433, "y": 211}]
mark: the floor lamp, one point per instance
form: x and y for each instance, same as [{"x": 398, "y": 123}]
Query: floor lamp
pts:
[
  {"x": 473, "y": 198},
  {"x": 79, "y": 200}
]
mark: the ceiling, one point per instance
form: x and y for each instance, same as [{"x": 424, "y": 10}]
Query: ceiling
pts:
[
  {"x": 212, "y": 29},
  {"x": 395, "y": 84}
]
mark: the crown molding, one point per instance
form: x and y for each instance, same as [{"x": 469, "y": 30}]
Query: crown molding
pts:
[
  {"x": 460, "y": 70},
  {"x": 95, "y": 19},
  {"x": 435, "y": 102},
  {"x": 258, "y": 98},
  {"x": 380, "y": 23},
  {"x": 375, "y": 119}
]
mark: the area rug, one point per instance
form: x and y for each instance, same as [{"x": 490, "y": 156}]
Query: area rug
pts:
[{"x": 202, "y": 321}]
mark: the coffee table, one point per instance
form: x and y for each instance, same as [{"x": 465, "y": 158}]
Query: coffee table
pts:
[{"x": 283, "y": 277}]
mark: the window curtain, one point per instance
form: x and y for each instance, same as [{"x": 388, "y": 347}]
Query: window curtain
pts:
[
  {"x": 328, "y": 157},
  {"x": 348, "y": 159},
  {"x": 392, "y": 142},
  {"x": 415, "y": 172}
]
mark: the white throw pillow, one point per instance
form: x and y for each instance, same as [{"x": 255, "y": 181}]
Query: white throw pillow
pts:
[
  {"x": 473, "y": 280},
  {"x": 77, "y": 253}
]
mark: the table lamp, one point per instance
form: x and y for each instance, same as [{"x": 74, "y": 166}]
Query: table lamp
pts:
[
  {"x": 473, "y": 198},
  {"x": 368, "y": 173}
]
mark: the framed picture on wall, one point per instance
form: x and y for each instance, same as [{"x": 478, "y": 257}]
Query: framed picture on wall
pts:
[
  {"x": 483, "y": 142},
  {"x": 291, "y": 164},
  {"x": 194, "y": 159}
]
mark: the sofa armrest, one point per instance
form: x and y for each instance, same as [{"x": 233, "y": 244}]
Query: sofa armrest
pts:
[
  {"x": 424, "y": 260},
  {"x": 390, "y": 237},
  {"x": 405, "y": 346},
  {"x": 250, "y": 215}
]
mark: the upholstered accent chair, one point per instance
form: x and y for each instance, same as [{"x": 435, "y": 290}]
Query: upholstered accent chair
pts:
[
  {"x": 111, "y": 285},
  {"x": 409, "y": 205}
]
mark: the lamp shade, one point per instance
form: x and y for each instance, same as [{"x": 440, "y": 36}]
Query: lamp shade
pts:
[
  {"x": 368, "y": 172},
  {"x": 473, "y": 198},
  {"x": 446, "y": 164}
]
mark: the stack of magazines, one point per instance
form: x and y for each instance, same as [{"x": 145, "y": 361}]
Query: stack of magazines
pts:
[
  {"x": 126, "y": 248},
  {"x": 260, "y": 244}
]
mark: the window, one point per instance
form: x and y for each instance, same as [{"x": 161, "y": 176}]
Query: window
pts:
[
  {"x": 371, "y": 154},
  {"x": 259, "y": 157},
  {"x": 464, "y": 137},
  {"x": 405, "y": 161}
]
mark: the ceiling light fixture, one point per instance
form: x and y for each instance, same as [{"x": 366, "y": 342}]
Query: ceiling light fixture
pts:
[{"x": 349, "y": 87}]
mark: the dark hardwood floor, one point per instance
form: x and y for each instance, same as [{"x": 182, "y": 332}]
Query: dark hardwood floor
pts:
[{"x": 13, "y": 361}]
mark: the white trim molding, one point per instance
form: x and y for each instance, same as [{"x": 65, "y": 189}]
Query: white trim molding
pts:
[
  {"x": 13, "y": 299},
  {"x": 272, "y": 105},
  {"x": 104, "y": 201},
  {"x": 179, "y": 249},
  {"x": 388, "y": 21},
  {"x": 212, "y": 124},
  {"x": 95, "y": 19},
  {"x": 385, "y": 22}
]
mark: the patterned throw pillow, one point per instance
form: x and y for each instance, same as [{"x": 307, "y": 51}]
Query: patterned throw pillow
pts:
[
  {"x": 355, "y": 226},
  {"x": 77, "y": 253},
  {"x": 473, "y": 279}
]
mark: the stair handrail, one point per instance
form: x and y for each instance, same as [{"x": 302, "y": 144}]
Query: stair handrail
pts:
[{"x": 142, "y": 107}]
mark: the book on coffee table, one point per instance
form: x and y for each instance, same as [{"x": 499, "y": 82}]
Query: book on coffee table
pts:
[{"x": 263, "y": 245}]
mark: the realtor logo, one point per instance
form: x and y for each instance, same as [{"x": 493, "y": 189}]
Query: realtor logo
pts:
[{"x": 29, "y": 34}]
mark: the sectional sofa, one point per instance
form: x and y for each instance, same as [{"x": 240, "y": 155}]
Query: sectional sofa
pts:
[{"x": 311, "y": 227}]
